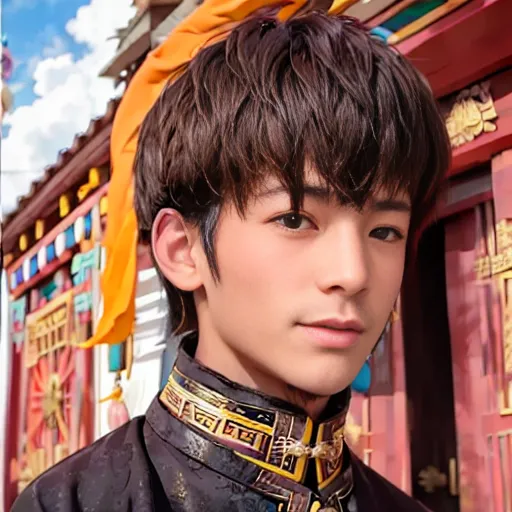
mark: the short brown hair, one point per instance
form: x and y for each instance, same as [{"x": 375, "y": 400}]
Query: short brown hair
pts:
[{"x": 271, "y": 97}]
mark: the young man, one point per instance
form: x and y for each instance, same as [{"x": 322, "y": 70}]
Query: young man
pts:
[{"x": 279, "y": 181}]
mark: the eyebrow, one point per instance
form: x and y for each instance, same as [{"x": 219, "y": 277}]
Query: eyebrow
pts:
[
  {"x": 316, "y": 191},
  {"x": 386, "y": 205},
  {"x": 323, "y": 193}
]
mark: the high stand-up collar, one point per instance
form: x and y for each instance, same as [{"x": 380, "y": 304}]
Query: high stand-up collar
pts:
[{"x": 270, "y": 441}]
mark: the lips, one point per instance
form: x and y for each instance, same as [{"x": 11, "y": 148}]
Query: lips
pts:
[
  {"x": 338, "y": 325},
  {"x": 333, "y": 333}
]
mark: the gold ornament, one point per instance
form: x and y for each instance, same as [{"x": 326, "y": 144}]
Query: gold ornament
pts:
[
  {"x": 23, "y": 242},
  {"x": 52, "y": 401},
  {"x": 471, "y": 115},
  {"x": 94, "y": 182},
  {"x": 64, "y": 206},
  {"x": 39, "y": 229}
]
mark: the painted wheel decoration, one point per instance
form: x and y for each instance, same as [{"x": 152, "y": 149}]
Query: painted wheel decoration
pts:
[{"x": 50, "y": 393}]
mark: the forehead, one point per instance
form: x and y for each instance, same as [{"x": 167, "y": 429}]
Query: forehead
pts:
[{"x": 314, "y": 186}]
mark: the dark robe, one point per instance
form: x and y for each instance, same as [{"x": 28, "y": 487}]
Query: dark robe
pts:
[{"x": 206, "y": 444}]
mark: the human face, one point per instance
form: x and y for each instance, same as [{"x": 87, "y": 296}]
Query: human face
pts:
[{"x": 284, "y": 275}]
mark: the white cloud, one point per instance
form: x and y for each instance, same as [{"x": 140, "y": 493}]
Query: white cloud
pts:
[
  {"x": 57, "y": 47},
  {"x": 69, "y": 94},
  {"x": 16, "y": 87}
]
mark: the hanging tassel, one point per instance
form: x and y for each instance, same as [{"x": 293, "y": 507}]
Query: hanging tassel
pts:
[
  {"x": 117, "y": 414},
  {"x": 116, "y": 394}
]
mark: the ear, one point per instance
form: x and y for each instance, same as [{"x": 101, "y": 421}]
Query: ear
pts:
[{"x": 173, "y": 243}]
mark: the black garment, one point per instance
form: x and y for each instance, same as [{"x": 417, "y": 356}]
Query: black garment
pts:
[{"x": 207, "y": 444}]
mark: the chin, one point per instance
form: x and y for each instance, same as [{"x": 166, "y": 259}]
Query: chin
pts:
[{"x": 321, "y": 383}]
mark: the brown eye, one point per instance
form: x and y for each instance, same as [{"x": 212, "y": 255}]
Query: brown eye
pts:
[
  {"x": 386, "y": 234},
  {"x": 294, "y": 221}
]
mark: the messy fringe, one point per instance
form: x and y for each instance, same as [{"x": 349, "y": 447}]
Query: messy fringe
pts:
[{"x": 276, "y": 97}]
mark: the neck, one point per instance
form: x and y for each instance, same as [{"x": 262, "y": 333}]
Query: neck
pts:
[{"x": 238, "y": 369}]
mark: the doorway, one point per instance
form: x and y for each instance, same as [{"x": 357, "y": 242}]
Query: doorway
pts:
[{"x": 429, "y": 378}]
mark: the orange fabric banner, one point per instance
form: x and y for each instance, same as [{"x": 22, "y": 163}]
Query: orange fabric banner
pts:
[{"x": 210, "y": 22}]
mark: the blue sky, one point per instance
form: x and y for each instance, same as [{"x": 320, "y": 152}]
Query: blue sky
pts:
[
  {"x": 59, "y": 48},
  {"x": 34, "y": 28}
]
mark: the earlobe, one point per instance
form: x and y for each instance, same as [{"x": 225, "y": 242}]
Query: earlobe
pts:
[{"x": 172, "y": 245}]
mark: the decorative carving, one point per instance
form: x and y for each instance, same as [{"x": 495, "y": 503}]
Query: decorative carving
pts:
[
  {"x": 52, "y": 401},
  {"x": 504, "y": 235},
  {"x": 471, "y": 115},
  {"x": 431, "y": 479},
  {"x": 48, "y": 329},
  {"x": 506, "y": 304},
  {"x": 502, "y": 261}
]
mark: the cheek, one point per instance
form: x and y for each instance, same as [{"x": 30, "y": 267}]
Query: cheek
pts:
[
  {"x": 253, "y": 259},
  {"x": 387, "y": 273}
]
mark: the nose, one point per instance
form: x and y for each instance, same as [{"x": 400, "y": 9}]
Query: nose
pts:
[{"x": 343, "y": 261}]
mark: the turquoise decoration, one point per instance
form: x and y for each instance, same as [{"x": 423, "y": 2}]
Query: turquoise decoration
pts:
[
  {"x": 116, "y": 357},
  {"x": 381, "y": 33},
  {"x": 18, "y": 314},
  {"x": 363, "y": 379},
  {"x": 82, "y": 263},
  {"x": 83, "y": 302},
  {"x": 412, "y": 13},
  {"x": 47, "y": 291},
  {"x": 70, "y": 237},
  {"x": 86, "y": 260},
  {"x": 33, "y": 266}
]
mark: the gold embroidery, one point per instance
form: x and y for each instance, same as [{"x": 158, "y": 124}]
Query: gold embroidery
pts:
[
  {"x": 217, "y": 421},
  {"x": 315, "y": 507},
  {"x": 246, "y": 427}
]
